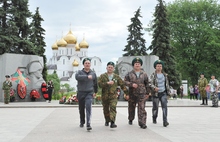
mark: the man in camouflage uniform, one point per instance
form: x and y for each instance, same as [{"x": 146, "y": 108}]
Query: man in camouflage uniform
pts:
[
  {"x": 109, "y": 82},
  {"x": 214, "y": 91},
  {"x": 7, "y": 84},
  {"x": 137, "y": 81},
  {"x": 202, "y": 82},
  {"x": 159, "y": 90}
]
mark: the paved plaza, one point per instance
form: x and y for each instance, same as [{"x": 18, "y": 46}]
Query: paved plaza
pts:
[{"x": 53, "y": 122}]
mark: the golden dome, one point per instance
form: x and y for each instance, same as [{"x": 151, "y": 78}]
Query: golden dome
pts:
[
  {"x": 83, "y": 44},
  {"x": 77, "y": 47},
  {"x": 70, "y": 38},
  {"x": 75, "y": 63},
  {"x": 54, "y": 46},
  {"x": 61, "y": 43}
]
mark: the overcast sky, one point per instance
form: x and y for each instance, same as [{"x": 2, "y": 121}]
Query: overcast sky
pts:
[{"x": 104, "y": 23}]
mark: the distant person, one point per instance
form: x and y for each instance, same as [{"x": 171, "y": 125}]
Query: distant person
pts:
[
  {"x": 160, "y": 90},
  {"x": 181, "y": 91},
  {"x": 196, "y": 91},
  {"x": 50, "y": 90},
  {"x": 191, "y": 91},
  {"x": 87, "y": 88},
  {"x": 208, "y": 91},
  {"x": 109, "y": 83},
  {"x": 218, "y": 91},
  {"x": 137, "y": 81},
  {"x": 7, "y": 84},
  {"x": 214, "y": 83},
  {"x": 202, "y": 82}
]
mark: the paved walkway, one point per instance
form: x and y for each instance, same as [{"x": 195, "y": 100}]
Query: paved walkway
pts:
[{"x": 53, "y": 122}]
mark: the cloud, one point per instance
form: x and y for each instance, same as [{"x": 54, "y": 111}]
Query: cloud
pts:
[{"x": 103, "y": 23}]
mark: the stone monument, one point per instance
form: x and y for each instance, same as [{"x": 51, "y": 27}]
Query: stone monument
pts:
[{"x": 30, "y": 65}]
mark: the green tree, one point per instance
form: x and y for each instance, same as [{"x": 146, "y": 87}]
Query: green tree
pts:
[
  {"x": 135, "y": 40},
  {"x": 56, "y": 81},
  {"x": 20, "y": 16},
  {"x": 37, "y": 38},
  {"x": 8, "y": 27},
  {"x": 195, "y": 32},
  {"x": 160, "y": 44},
  {"x": 67, "y": 87}
]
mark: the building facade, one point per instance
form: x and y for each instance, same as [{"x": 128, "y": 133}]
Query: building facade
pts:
[{"x": 67, "y": 59}]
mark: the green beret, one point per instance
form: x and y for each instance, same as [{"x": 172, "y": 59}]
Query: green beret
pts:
[
  {"x": 86, "y": 59},
  {"x": 158, "y": 62},
  {"x": 111, "y": 63},
  {"x": 7, "y": 76},
  {"x": 137, "y": 60}
]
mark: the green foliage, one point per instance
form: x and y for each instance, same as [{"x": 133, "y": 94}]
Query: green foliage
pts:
[
  {"x": 37, "y": 38},
  {"x": 135, "y": 40},
  {"x": 67, "y": 87},
  {"x": 161, "y": 46},
  {"x": 56, "y": 83},
  {"x": 195, "y": 33}
]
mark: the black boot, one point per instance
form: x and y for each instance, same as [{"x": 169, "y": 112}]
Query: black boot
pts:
[
  {"x": 113, "y": 125},
  {"x": 106, "y": 123},
  {"x": 154, "y": 120},
  {"x": 202, "y": 101},
  {"x": 206, "y": 101}
]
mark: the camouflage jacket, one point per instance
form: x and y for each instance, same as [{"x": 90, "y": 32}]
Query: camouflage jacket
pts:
[
  {"x": 153, "y": 83},
  {"x": 110, "y": 91},
  {"x": 202, "y": 83},
  {"x": 7, "y": 85},
  {"x": 142, "y": 82}
]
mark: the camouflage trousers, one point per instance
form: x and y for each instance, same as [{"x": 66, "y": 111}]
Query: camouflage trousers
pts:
[
  {"x": 142, "y": 114},
  {"x": 109, "y": 109},
  {"x": 214, "y": 98},
  {"x": 203, "y": 94},
  {"x": 6, "y": 96}
]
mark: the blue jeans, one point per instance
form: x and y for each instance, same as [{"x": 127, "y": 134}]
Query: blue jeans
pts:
[
  {"x": 163, "y": 100},
  {"x": 85, "y": 102},
  {"x": 218, "y": 96},
  {"x": 199, "y": 97},
  {"x": 208, "y": 95}
]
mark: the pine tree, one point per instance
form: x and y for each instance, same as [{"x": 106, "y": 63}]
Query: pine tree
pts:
[
  {"x": 160, "y": 44},
  {"x": 37, "y": 38},
  {"x": 20, "y": 15},
  {"x": 135, "y": 40},
  {"x": 7, "y": 27}
]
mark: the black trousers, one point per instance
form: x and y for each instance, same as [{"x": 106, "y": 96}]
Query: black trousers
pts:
[{"x": 50, "y": 94}]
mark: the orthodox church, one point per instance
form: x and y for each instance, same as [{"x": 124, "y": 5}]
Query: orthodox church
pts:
[{"x": 67, "y": 59}]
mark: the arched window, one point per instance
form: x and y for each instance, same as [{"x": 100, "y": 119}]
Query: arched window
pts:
[{"x": 63, "y": 61}]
